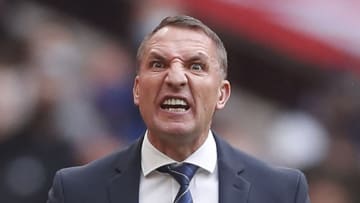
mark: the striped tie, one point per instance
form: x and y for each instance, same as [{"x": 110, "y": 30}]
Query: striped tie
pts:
[{"x": 183, "y": 174}]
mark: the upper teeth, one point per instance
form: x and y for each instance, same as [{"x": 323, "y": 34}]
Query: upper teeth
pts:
[{"x": 174, "y": 101}]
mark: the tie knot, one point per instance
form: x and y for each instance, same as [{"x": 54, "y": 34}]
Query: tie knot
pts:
[{"x": 182, "y": 173}]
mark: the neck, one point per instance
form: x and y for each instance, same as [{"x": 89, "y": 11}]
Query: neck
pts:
[{"x": 178, "y": 149}]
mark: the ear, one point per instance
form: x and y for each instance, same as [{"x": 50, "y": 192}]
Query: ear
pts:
[
  {"x": 224, "y": 94},
  {"x": 136, "y": 91}
]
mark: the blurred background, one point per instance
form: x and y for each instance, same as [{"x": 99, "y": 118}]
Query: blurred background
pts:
[{"x": 67, "y": 68}]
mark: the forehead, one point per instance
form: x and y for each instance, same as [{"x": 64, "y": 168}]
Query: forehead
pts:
[{"x": 179, "y": 40}]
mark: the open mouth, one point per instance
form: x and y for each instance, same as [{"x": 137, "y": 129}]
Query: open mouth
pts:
[{"x": 175, "y": 105}]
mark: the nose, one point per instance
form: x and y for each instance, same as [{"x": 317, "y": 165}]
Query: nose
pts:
[{"x": 176, "y": 75}]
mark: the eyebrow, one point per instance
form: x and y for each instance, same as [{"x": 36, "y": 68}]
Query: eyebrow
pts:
[
  {"x": 156, "y": 55},
  {"x": 199, "y": 56}
]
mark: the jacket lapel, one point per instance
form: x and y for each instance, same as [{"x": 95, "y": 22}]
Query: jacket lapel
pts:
[
  {"x": 232, "y": 186},
  {"x": 124, "y": 185}
]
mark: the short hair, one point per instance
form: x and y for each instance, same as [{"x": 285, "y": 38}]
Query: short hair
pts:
[{"x": 191, "y": 23}]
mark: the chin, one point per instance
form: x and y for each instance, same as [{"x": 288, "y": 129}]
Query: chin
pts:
[{"x": 176, "y": 130}]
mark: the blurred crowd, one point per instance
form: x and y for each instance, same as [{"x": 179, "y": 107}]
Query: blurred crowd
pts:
[{"x": 66, "y": 99}]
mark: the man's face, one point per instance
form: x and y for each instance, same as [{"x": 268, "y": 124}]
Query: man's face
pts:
[{"x": 180, "y": 84}]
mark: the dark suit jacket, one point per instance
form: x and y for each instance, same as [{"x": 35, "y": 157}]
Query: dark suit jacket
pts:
[{"x": 115, "y": 179}]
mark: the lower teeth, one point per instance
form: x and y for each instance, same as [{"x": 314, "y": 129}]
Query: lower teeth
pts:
[{"x": 176, "y": 109}]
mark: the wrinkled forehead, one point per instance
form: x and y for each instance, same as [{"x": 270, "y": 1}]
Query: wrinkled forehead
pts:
[{"x": 184, "y": 41}]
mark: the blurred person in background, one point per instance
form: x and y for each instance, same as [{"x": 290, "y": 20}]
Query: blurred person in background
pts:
[
  {"x": 109, "y": 78},
  {"x": 181, "y": 82},
  {"x": 337, "y": 175},
  {"x": 31, "y": 149},
  {"x": 85, "y": 74},
  {"x": 45, "y": 115}
]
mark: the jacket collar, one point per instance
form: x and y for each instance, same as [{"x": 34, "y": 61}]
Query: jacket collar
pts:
[
  {"x": 232, "y": 186},
  {"x": 124, "y": 185}
]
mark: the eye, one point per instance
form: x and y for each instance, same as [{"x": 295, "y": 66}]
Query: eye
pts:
[
  {"x": 156, "y": 64},
  {"x": 196, "y": 66}
]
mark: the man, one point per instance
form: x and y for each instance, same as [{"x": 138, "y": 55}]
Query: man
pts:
[{"x": 181, "y": 82}]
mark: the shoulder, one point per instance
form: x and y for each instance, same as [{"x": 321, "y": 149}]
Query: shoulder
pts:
[
  {"x": 255, "y": 168},
  {"x": 88, "y": 183},
  {"x": 267, "y": 181},
  {"x": 92, "y": 169},
  {"x": 101, "y": 169},
  {"x": 240, "y": 159}
]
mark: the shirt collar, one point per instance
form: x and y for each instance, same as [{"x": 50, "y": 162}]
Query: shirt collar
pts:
[{"x": 205, "y": 157}]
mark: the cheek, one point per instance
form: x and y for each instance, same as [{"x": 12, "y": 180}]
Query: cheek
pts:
[
  {"x": 147, "y": 88},
  {"x": 208, "y": 98}
]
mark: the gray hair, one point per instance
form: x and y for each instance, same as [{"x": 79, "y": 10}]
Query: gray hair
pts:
[{"x": 191, "y": 23}]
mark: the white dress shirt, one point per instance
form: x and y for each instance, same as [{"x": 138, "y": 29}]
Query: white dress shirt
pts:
[{"x": 162, "y": 188}]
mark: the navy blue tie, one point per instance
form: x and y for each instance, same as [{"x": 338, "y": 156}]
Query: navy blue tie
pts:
[{"x": 183, "y": 174}]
